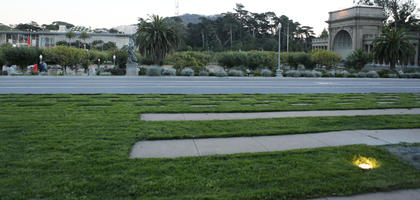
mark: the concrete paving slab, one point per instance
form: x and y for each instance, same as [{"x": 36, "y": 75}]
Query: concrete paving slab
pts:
[
  {"x": 413, "y": 194},
  {"x": 164, "y": 149},
  {"x": 217, "y": 146},
  {"x": 396, "y": 136},
  {"x": 288, "y": 142},
  {"x": 228, "y": 146},
  {"x": 343, "y": 138},
  {"x": 265, "y": 115}
]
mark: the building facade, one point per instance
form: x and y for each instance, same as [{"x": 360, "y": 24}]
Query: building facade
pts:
[
  {"x": 356, "y": 28},
  {"x": 50, "y": 39}
]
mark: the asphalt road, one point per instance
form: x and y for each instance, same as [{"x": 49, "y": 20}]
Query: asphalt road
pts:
[{"x": 200, "y": 85}]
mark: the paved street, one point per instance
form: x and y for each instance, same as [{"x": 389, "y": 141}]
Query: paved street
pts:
[{"x": 202, "y": 85}]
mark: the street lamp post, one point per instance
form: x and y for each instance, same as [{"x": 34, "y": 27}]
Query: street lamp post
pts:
[
  {"x": 114, "y": 57},
  {"x": 279, "y": 71},
  {"x": 40, "y": 59}
]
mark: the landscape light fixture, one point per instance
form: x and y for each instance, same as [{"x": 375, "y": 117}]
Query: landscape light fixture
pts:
[
  {"x": 114, "y": 57},
  {"x": 365, "y": 163},
  {"x": 279, "y": 71},
  {"x": 365, "y": 166},
  {"x": 40, "y": 58}
]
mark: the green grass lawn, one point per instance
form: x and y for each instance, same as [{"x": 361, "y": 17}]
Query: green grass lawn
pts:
[{"x": 77, "y": 147}]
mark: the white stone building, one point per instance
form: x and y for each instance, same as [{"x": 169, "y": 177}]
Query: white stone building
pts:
[{"x": 356, "y": 28}]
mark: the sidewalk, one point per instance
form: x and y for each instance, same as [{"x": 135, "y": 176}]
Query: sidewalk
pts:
[
  {"x": 265, "y": 115},
  {"x": 413, "y": 194},
  {"x": 217, "y": 146}
]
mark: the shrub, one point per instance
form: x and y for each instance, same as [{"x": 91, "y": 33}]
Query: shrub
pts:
[
  {"x": 187, "y": 72},
  {"x": 220, "y": 73},
  {"x": 312, "y": 73},
  {"x": 204, "y": 73},
  {"x": 180, "y": 60},
  {"x": 21, "y": 56},
  {"x": 372, "y": 74},
  {"x": 326, "y": 58},
  {"x": 384, "y": 73},
  {"x": 361, "y": 74},
  {"x": 317, "y": 73},
  {"x": 410, "y": 75},
  {"x": 304, "y": 59},
  {"x": 234, "y": 72},
  {"x": 342, "y": 74},
  {"x": 293, "y": 73},
  {"x": 117, "y": 72},
  {"x": 251, "y": 59},
  {"x": 154, "y": 71},
  {"x": 358, "y": 59},
  {"x": 331, "y": 73},
  {"x": 307, "y": 73},
  {"x": 266, "y": 73},
  {"x": 169, "y": 72},
  {"x": 121, "y": 57}
]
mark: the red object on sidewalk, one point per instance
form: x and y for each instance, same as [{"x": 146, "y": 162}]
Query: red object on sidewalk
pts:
[
  {"x": 35, "y": 69},
  {"x": 29, "y": 42}
]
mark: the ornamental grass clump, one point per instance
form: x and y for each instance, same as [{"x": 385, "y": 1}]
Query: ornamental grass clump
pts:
[
  {"x": 169, "y": 72},
  {"x": 234, "y": 72},
  {"x": 293, "y": 73},
  {"x": 187, "y": 72},
  {"x": 372, "y": 74},
  {"x": 220, "y": 73},
  {"x": 154, "y": 71},
  {"x": 361, "y": 74},
  {"x": 266, "y": 73},
  {"x": 203, "y": 73}
]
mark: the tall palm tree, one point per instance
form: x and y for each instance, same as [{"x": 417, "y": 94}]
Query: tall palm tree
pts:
[
  {"x": 84, "y": 35},
  {"x": 392, "y": 47},
  {"x": 156, "y": 38},
  {"x": 70, "y": 35}
]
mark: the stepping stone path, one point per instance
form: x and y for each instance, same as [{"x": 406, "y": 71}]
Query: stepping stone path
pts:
[
  {"x": 204, "y": 106},
  {"x": 386, "y": 102},
  {"x": 345, "y": 103},
  {"x": 220, "y": 146},
  {"x": 301, "y": 104},
  {"x": 267, "y": 115}
]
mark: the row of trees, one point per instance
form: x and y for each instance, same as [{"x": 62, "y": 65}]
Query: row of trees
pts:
[
  {"x": 244, "y": 30},
  {"x": 65, "y": 56},
  {"x": 400, "y": 13}
]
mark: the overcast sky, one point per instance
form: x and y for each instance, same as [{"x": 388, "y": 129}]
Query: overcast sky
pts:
[{"x": 111, "y": 13}]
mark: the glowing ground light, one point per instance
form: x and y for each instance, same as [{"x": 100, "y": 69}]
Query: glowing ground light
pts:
[
  {"x": 365, "y": 163},
  {"x": 365, "y": 166}
]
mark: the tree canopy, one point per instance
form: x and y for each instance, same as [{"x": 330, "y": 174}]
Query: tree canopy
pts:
[
  {"x": 245, "y": 30},
  {"x": 156, "y": 37}
]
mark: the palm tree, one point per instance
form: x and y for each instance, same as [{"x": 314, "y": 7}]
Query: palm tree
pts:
[
  {"x": 392, "y": 47},
  {"x": 156, "y": 38},
  {"x": 84, "y": 35},
  {"x": 70, "y": 35}
]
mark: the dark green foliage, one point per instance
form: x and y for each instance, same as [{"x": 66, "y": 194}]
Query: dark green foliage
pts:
[
  {"x": 393, "y": 46},
  {"x": 156, "y": 38},
  {"x": 62, "y": 147},
  {"x": 358, "y": 59},
  {"x": 325, "y": 58},
  {"x": 21, "y": 56},
  {"x": 180, "y": 60},
  {"x": 251, "y": 59},
  {"x": 245, "y": 30},
  {"x": 118, "y": 71},
  {"x": 295, "y": 59},
  {"x": 121, "y": 58}
]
